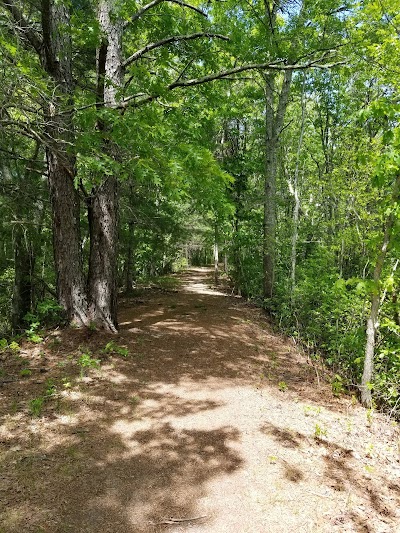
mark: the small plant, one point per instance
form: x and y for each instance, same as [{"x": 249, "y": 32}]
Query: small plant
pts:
[
  {"x": 282, "y": 386},
  {"x": 3, "y": 344},
  {"x": 86, "y": 361},
  {"x": 14, "y": 347},
  {"x": 33, "y": 334},
  {"x": 48, "y": 312},
  {"x": 36, "y": 406},
  {"x": 320, "y": 431},
  {"x": 349, "y": 426},
  {"x": 369, "y": 469},
  {"x": 370, "y": 415},
  {"x": 25, "y": 372},
  {"x": 66, "y": 383},
  {"x": 112, "y": 348},
  {"x": 51, "y": 388},
  {"x": 310, "y": 410},
  {"x": 337, "y": 385},
  {"x": 369, "y": 449},
  {"x": 134, "y": 400}
]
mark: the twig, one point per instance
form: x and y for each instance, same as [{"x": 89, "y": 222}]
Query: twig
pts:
[
  {"x": 316, "y": 371},
  {"x": 320, "y": 495},
  {"x": 178, "y": 520},
  {"x": 347, "y": 499}
]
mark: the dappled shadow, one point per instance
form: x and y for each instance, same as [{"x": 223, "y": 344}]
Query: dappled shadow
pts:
[
  {"x": 141, "y": 441},
  {"x": 155, "y": 474},
  {"x": 115, "y": 473},
  {"x": 205, "y": 336},
  {"x": 292, "y": 473},
  {"x": 340, "y": 473},
  {"x": 286, "y": 438}
]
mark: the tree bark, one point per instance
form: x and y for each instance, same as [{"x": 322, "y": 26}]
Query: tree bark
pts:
[
  {"x": 70, "y": 282},
  {"x": 273, "y": 125},
  {"x": 23, "y": 270},
  {"x": 216, "y": 255},
  {"x": 102, "y": 203},
  {"x": 57, "y": 61},
  {"x": 129, "y": 263},
  {"x": 226, "y": 260},
  {"x": 296, "y": 194},
  {"x": 102, "y": 283}
]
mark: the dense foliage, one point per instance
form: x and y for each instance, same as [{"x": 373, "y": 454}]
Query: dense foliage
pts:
[{"x": 262, "y": 135}]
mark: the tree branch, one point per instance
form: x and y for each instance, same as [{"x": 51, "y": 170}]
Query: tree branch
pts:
[
  {"x": 27, "y": 33},
  {"x": 278, "y": 66},
  {"x": 226, "y": 75},
  {"x": 189, "y": 6},
  {"x": 155, "y": 3},
  {"x": 142, "y": 11},
  {"x": 173, "y": 39}
]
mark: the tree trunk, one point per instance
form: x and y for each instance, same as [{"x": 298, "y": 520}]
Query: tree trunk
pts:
[
  {"x": 273, "y": 124},
  {"x": 296, "y": 194},
  {"x": 57, "y": 61},
  {"x": 271, "y": 146},
  {"x": 102, "y": 204},
  {"x": 187, "y": 255},
  {"x": 216, "y": 256},
  {"x": 129, "y": 264},
  {"x": 23, "y": 268},
  {"x": 66, "y": 242},
  {"x": 372, "y": 323},
  {"x": 102, "y": 284}
]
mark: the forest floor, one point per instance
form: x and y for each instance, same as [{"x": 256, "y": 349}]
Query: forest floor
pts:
[{"x": 196, "y": 417}]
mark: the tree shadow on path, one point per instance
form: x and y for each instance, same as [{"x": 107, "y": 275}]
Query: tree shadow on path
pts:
[{"x": 122, "y": 451}]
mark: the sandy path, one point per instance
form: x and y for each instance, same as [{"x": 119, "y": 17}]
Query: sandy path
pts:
[{"x": 213, "y": 418}]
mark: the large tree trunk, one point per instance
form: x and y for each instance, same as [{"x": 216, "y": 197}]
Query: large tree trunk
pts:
[
  {"x": 274, "y": 117},
  {"x": 54, "y": 48},
  {"x": 236, "y": 253},
  {"x": 70, "y": 281},
  {"x": 103, "y": 204},
  {"x": 102, "y": 284},
  {"x": 57, "y": 61}
]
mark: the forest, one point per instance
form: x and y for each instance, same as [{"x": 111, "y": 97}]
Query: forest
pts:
[{"x": 261, "y": 137}]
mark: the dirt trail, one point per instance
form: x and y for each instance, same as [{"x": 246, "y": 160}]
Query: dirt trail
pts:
[{"x": 213, "y": 424}]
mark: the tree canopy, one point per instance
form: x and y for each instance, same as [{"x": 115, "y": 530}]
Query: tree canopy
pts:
[{"x": 136, "y": 139}]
